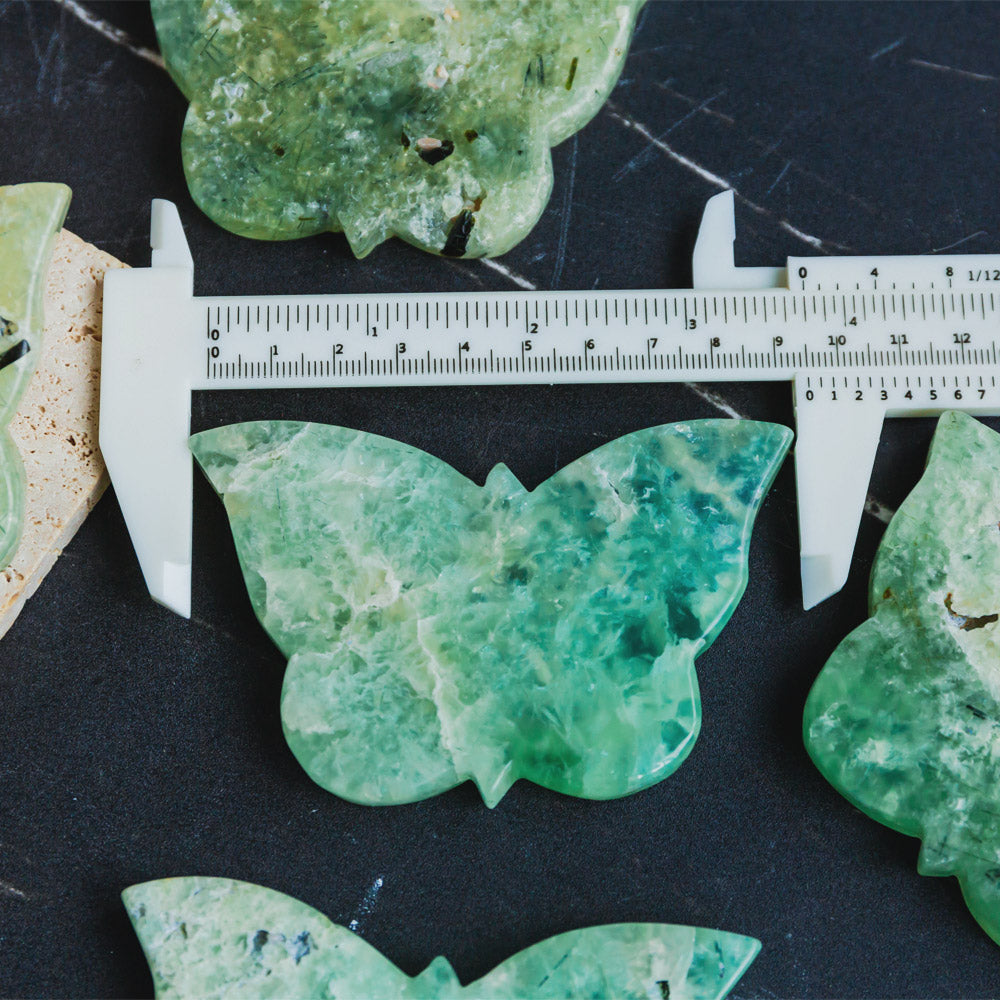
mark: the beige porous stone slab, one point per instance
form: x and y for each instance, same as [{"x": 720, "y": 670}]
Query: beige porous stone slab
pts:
[{"x": 55, "y": 428}]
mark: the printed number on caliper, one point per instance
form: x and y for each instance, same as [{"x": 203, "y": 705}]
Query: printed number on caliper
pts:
[{"x": 859, "y": 337}]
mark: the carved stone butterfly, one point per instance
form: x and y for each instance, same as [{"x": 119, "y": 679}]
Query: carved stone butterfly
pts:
[
  {"x": 432, "y": 123},
  {"x": 437, "y": 630},
  {"x": 904, "y": 719},
  {"x": 31, "y": 216},
  {"x": 217, "y": 938}
]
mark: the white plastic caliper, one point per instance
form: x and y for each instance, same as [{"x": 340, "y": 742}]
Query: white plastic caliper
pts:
[{"x": 859, "y": 337}]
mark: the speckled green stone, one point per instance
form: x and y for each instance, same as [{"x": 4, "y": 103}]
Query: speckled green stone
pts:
[
  {"x": 439, "y": 631},
  {"x": 215, "y": 938},
  {"x": 31, "y": 216},
  {"x": 426, "y": 119},
  {"x": 905, "y": 717}
]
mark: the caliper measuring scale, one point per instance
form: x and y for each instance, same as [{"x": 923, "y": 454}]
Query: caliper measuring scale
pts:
[{"x": 860, "y": 338}]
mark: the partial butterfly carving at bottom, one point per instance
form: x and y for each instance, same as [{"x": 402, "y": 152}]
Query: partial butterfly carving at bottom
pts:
[
  {"x": 216, "y": 938},
  {"x": 437, "y": 630}
]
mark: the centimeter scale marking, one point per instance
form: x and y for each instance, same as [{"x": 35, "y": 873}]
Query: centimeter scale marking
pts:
[
  {"x": 405, "y": 340},
  {"x": 859, "y": 338}
]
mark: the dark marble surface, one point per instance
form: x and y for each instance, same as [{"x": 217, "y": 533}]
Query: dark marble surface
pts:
[{"x": 136, "y": 745}]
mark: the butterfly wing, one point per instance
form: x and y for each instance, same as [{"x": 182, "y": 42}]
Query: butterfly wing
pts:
[
  {"x": 601, "y": 588},
  {"x": 219, "y": 938},
  {"x": 623, "y": 961},
  {"x": 242, "y": 63},
  {"x": 904, "y": 717},
  {"x": 349, "y": 543},
  {"x": 438, "y": 631},
  {"x": 30, "y": 218}
]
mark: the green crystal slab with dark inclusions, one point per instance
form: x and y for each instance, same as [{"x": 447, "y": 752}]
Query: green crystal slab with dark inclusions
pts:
[
  {"x": 31, "y": 216},
  {"x": 216, "y": 938},
  {"x": 904, "y": 719},
  {"x": 438, "y": 631},
  {"x": 428, "y": 120}
]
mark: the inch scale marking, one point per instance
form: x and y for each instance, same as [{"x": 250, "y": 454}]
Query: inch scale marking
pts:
[
  {"x": 860, "y": 338},
  {"x": 303, "y": 344}
]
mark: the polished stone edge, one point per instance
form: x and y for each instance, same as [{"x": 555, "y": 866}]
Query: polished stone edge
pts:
[
  {"x": 972, "y": 873},
  {"x": 31, "y": 246},
  {"x": 712, "y": 961},
  {"x": 952, "y": 426},
  {"x": 769, "y": 441},
  {"x": 559, "y": 128}
]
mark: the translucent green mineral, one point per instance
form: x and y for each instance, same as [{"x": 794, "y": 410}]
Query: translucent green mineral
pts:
[
  {"x": 426, "y": 119},
  {"x": 904, "y": 719},
  {"x": 31, "y": 216},
  {"x": 438, "y": 631},
  {"x": 217, "y": 938}
]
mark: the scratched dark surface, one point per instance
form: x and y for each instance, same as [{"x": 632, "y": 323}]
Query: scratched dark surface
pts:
[{"x": 136, "y": 745}]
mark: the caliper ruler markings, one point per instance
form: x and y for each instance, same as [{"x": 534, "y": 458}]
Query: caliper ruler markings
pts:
[{"x": 859, "y": 337}]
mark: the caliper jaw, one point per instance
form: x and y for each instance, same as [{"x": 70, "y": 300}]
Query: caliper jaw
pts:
[{"x": 146, "y": 406}]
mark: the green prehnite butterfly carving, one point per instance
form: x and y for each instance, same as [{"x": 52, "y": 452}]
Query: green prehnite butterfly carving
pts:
[
  {"x": 904, "y": 719},
  {"x": 31, "y": 216},
  {"x": 426, "y": 119},
  {"x": 437, "y": 630},
  {"x": 217, "y": 938}
]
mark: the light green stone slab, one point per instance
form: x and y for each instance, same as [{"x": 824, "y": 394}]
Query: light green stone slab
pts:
[
  {"x": 904, "y": 719},
  {"x": 426, "y": 119},
  {"x": 215, "y": 938},
  {"x": 31, "y": 216},
  {"x": 437, "y": 630}
]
